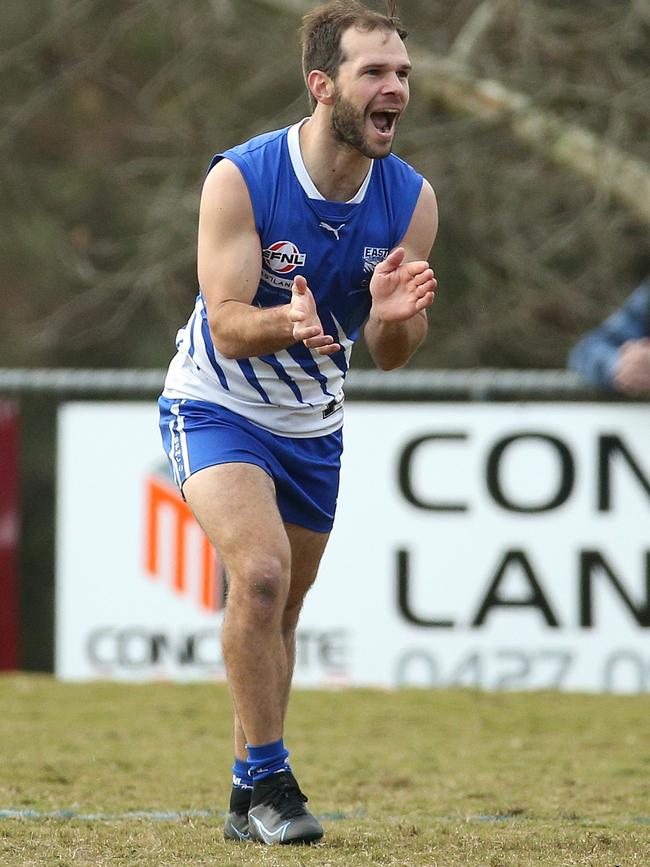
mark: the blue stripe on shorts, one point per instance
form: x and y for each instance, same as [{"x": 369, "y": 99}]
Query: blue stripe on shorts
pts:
[{"x": 197, "y": 434}]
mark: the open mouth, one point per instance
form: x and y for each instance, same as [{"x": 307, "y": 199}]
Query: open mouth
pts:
[{"x": 384, "y": 121}]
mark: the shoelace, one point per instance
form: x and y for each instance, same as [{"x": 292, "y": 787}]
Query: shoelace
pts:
[{"x": 287, "y": 799}]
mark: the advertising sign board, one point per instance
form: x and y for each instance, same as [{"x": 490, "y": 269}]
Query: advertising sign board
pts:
[{"x": 497, "y": 546}]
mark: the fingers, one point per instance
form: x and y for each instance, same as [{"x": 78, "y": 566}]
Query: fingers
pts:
[
  {"x": 396, "y": 256},
  {"x": 392, "y": 261},
  {"x": 332, "y": 349},
  {"x": 323, "y": 344},
  {"x": 420, "y": 271},
  {"x": 306, "y": 332},
  {"x": 302, "y": 309},
  {"x": 425, "y": 301},
  {"x": 300, "y": 300},
  {"x": 313, "y": 338},
  {"x": 633, "y": 351},
  {"x": 422, "y": 287}
]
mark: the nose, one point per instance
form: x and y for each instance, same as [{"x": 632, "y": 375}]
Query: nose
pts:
[{"x": 394, "y": 83}]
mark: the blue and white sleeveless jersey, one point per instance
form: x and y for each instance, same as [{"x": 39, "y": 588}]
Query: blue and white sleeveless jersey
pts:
[{"x": 335, "y": 246}]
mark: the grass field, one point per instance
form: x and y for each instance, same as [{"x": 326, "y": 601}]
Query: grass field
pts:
[{"x": 113, "y": 774}]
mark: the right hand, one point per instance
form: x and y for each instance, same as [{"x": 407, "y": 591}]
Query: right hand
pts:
[
  {"x": 632, "y": 374},
  {"x": 306, "y": 322}
]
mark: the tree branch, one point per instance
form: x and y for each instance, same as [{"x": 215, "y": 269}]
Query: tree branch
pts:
[
  {"x": 451, "y": 84},
  {"x": 478, "y": 23}
]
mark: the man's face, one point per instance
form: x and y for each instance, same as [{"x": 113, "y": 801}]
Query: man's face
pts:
[{"x": 371, "y": 91}]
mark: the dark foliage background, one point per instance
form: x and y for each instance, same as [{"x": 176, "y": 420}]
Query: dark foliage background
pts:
[{"x": 111, "y": 112}]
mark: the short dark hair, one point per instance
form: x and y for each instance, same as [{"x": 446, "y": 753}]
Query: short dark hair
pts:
[{"x": 323, "y": 27}]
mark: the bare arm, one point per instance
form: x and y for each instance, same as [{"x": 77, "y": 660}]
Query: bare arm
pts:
[
  {"x": 229, "y": 268},
  {"x": 402, "y": 288}
]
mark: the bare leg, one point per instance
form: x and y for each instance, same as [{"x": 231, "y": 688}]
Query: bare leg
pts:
[
  {"x": 271, "y": 567},
  {"x": 307, "y": 549},
  {"x": 235, "y": 504}
]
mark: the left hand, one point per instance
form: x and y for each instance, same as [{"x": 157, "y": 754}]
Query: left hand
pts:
[{"x": 401, "y": 289}]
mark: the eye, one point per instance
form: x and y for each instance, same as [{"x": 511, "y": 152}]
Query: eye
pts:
[{"x": 373, "y": 72}]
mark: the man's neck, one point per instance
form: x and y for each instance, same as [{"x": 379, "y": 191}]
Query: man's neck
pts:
[{"x": 337, "y": 170}]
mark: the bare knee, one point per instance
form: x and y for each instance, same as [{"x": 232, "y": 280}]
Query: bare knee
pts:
[
  {"x": 259, "y": 590},
  {"x": 266, "y": 588}
]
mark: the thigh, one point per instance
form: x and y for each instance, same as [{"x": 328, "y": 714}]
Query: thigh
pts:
[{"x": 235, "y": 505}]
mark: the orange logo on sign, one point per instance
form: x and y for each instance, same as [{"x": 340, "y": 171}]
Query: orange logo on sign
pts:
[{"x": 177, "y": 549}]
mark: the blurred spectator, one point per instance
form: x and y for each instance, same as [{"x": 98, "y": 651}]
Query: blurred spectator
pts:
[{"x": 616, "y": 354}]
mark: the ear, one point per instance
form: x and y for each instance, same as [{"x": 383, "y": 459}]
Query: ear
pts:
[{"x": 321, "y": 86}]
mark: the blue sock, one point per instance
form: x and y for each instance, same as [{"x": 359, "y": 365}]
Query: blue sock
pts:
[
  {"x": 241, "y": 778},
  {"x": 267, "y": 759}
]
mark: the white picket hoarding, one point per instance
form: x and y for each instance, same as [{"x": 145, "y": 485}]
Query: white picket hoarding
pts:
[{"x": 484, "y": 545}]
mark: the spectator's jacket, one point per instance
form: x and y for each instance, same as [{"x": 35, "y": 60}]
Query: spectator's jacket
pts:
[{"x": 595, "y": 355}]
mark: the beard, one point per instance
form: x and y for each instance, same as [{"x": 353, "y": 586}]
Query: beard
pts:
[{"x": 348, "y": 126}]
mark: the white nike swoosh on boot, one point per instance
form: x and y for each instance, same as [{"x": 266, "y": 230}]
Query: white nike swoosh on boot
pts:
[{"x": 269, "y": 836}]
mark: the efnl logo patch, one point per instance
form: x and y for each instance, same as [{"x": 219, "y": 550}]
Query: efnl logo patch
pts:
[
  {"x": 283, "y": 257},
  {"x": 177, "y": 553}
]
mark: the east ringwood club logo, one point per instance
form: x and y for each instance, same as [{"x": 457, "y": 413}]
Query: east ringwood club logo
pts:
[
  {"x": 283, "y": 257},
  {"x": 372, "y": 256}
]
